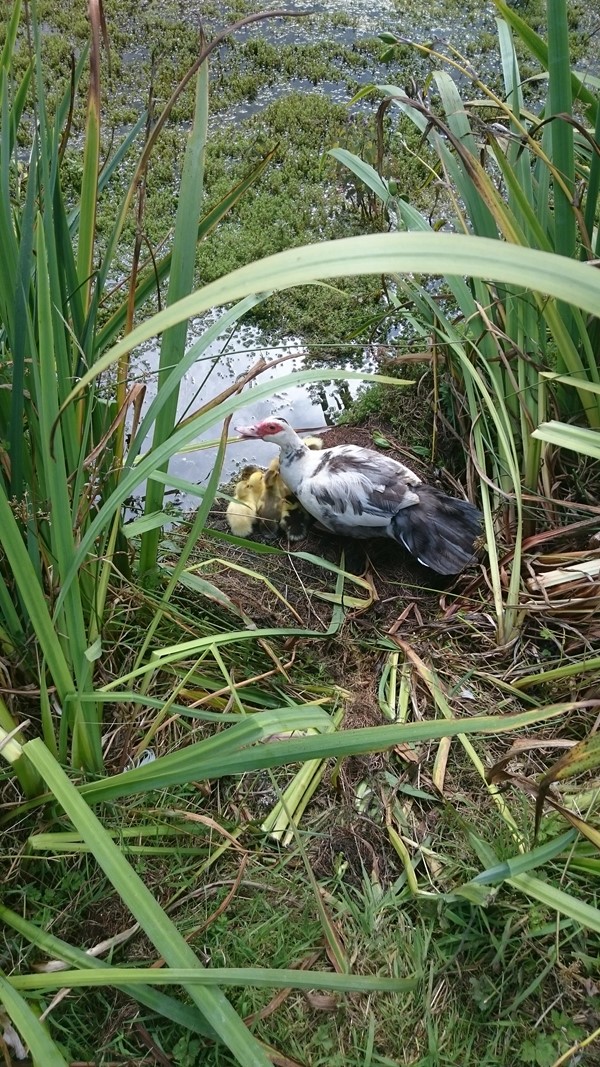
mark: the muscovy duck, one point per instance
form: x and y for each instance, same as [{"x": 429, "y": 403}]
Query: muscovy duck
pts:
[{"x": 360, "y": 493}]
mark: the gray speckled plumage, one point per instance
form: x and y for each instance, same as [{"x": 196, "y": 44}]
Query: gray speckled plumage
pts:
[{"x": 357, "y": 492}]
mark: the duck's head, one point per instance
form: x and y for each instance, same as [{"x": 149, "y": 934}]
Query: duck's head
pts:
[{"x": 273, "y": 429}]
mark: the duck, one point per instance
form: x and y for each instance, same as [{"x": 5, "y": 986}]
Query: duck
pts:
[
  {"x": 357, "y": 492},
  {"x": 242, "y": 511}
]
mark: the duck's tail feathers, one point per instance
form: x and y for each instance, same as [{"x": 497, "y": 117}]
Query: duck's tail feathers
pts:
[{"x": 440, "y": 530}]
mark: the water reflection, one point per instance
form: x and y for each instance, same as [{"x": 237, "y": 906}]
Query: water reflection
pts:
[{"x": 221, "y": 364}]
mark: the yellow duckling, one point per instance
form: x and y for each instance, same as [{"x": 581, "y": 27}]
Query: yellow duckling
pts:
[
  {"x": 315, "y": 443},
  {"x": 262, "y": 498},
  {"x": 274, "y": 499},
  {"x": 241, "y": 512}
]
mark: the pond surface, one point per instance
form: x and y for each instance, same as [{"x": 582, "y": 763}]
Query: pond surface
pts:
[{"x": 308, "y": 409}]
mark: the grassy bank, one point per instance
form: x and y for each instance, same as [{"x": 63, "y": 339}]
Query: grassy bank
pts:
[{"x": 313, "y": 807}]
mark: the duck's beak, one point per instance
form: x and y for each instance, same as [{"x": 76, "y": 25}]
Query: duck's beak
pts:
[{"x": 246, "y": 431}]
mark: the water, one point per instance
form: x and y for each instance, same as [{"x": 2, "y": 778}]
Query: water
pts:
[{"x": 222, "y": 363}]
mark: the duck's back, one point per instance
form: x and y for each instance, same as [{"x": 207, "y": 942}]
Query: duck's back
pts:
[{"x": 350, "y": 489}]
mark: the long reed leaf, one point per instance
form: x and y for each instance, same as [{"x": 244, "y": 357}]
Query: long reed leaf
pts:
[
  {"x": 192, "y": 978},
  {"x": 545, "y": 893},
  {"x": 164, "y": 935},
  {"x": 167, "y": 1006},
  {"x": 181, "y": 280},
  {"x": 43, "y": 1050},
  {"x": 391, "y": 253},
  {"x": 218, "y": 756}
]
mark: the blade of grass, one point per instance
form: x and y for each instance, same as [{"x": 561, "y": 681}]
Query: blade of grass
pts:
[
  {"x": 433, "y": 684},
  {"x": 91, "y": 159},
  {"x": 214, "y": 758},
  {"x": 544, "y": 892},
  {"x": 168, "y": 1007},
  {"x": 43, "y": 1050},
  {"x": 189, "y": 206},
  {"x": 390, "y": 253},
  {"x": 163, "y": 934},
  {"x": 194, "y": 978},
  {"x": 577, "y": 438}
]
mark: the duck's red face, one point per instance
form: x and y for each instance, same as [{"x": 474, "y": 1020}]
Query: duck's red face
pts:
[{"x": 265, "y": 429}]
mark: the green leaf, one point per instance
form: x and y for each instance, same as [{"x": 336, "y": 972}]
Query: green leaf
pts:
[
  {"x": 205, "y": 978},
  {"x": 94, "y": 651},
  {"x": 389, "y": 253},
  {"x": 229, "y": 752},
  {"x": 549, "y": 895},
  {"x": 43, "y": 1050},
  {"x": 181, "y": 1014},
  {"x": 143, "y": 906},
  {"x": 154, "y": 521},
  {"x": 576, "y": 438}
]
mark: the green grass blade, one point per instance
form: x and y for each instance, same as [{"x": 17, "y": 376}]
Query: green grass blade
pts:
[
  {"x": 560, "y": 103},
  {"x": 43, "y": 1050},
  {"x": 522, "y": 864},
  {"x": 544, "y": 892},
  {"x": 577, "y": 438},
  {"x": 217, "y": 756},
  {"x": 87, "y": 750},
  {"x": 11, "y": 30},
  {"x": 181, "y": 282},
  {"x": 389, "y": 253},
  {"x": 243, "y": 977},
  {"x": 33, "y": 598},
  {"x": 91, "y": 162},
  {"x": 364, "y": 171},
  {"x": 164, "y": 935},
  {"x": 593, "y": 192},
  {"x": 168, "y": 1007},
  {"x": 10, "y": 251},
  {"x": 195, "y": 532},
  {"x": 538, "y": 48},
  {"x": 22, "y": 326}
]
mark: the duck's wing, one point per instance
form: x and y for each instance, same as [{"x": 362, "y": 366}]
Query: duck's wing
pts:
[{"x": 350, "y": 485}]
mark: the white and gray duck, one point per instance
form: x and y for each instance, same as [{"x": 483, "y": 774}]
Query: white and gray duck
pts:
[{"x": 356, "y": 492}]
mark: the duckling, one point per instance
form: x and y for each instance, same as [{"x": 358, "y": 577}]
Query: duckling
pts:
[
  {"x": 263, "y": 498},
  {"x": 295, "y": 521},
  {"x": 241, "y": 512},
  {"x": 273, "y": 498},
  {"x": 314, "y": 443}
]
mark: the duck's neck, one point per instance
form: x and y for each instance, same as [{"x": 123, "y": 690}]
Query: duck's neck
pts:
[
  {"x": 292, "y": 447},
  {"x": 292, "y": 452}
]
